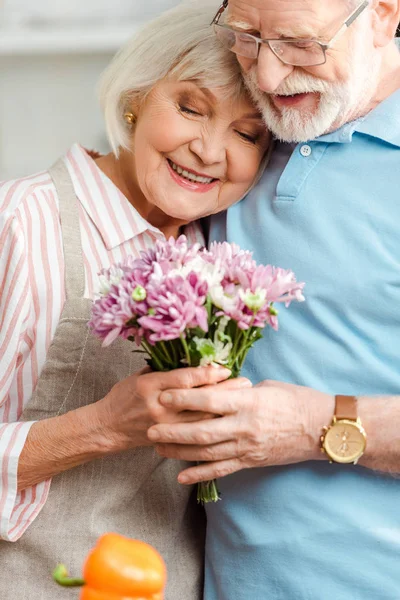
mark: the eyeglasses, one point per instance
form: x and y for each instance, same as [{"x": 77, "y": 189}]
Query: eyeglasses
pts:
[{"x": 294, "y": 52}]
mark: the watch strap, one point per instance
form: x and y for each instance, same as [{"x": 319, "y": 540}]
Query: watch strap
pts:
[{"x": 346, "y": 408}]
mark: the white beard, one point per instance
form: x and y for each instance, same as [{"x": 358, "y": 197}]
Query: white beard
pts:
[{"x": 339, "y": 102}]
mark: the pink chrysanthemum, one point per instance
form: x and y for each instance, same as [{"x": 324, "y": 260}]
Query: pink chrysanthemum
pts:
[{"x": 175, "y": 305}]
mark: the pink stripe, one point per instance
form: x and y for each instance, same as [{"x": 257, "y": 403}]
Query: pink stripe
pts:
[
  {"x": 34, "y": 514},
  {"x": 6, "y": 406},
  {"x": 88, "y": 196},
  {"x": 35, "y": 300},
  {"x": 11, "y": 289},
  {"x": 23, "y": 513},
  {"x": 28, "y": 340},
  {"x": 9, "y": 335},
  {"x": 21, "y": 501},
  {"x": 9, "y": 257},
  {"x": 32, "y": 187},
  {"x": 20, "y": 391},
  {"x": 51, "y": 202},
  {"x": 106, "y": 199},
  {"x": 89, "y": 236},
  {"x": 129, "y": 215},
  {"x": 47, "y": 274},
  {"x": 5, "y": 233},
  {"x": 4, "y": 467},
  {"x": 25, "y": 499},
  {"x": 89, "y": 278},
  {"x": 10, "y": 194},
  {"x": 134, "y": 247}
]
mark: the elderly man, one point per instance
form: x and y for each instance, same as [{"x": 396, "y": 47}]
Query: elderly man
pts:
[{"x": 296, "y": 523}]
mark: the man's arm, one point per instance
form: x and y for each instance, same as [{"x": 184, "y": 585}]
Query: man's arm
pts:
[{"x": 268, "y": 425}]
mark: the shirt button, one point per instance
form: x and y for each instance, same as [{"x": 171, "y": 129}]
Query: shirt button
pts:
[{"x": 305, "y": 150}]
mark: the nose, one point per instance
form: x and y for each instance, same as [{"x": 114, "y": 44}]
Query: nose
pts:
[
  {"x": 271, "y": 71},
  {"x": 210, "y": 147}
]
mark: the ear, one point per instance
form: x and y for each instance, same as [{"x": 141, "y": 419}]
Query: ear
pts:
[{"x": 385, "y": 18}]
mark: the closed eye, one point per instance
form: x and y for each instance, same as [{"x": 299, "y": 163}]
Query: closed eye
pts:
[
  {"x": 253, "y": 139},
  {"x": 188, "y": 111}
]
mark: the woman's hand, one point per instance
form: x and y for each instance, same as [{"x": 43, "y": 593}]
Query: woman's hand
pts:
[
  {"x": 132, "y": 406},
  {"x": 117, "y": 422}
]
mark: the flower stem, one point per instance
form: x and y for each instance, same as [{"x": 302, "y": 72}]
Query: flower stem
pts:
[
  {"x": 186, "y": 349},
  {"x": 151, "y": 351},
  {"x": 207, "y": 491}
]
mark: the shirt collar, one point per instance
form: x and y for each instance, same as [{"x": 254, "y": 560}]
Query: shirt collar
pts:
[
  {"x": 111, "y": 212},
  {"x": 382, "y": 123}
]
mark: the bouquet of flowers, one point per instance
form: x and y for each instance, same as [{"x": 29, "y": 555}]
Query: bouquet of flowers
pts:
[{"x": 190, "y": 306}]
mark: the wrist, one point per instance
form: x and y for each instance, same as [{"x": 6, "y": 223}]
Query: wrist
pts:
[
  {"x": 321, "y": 409},
  {"x": 89, "y": 426}
]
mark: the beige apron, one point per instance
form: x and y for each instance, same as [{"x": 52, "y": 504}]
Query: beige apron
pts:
[{"x": 134, "y": 493}]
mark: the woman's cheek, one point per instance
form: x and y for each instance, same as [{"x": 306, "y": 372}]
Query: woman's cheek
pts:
[
  {"x": 244, "y": 168},
  {"x": 170, "y": 132}
]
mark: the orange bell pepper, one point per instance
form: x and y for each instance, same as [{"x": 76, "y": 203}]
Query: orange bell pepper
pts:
[{"x": 119, "y": 568}]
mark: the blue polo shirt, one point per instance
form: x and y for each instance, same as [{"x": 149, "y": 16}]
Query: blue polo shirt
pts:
[{"x": 330, "y": 210}]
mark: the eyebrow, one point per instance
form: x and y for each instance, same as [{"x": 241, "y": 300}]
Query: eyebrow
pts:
[
  {"x": 297, "y": 32},
  {"x": 301, "y": 32},
  {"x": 208, "y": 93},
  {"x": 232, "y": 22},
  {"x": 253, "y": 115}
]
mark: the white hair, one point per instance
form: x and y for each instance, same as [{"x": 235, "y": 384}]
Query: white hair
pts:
[{"x": 179, "y": 43}]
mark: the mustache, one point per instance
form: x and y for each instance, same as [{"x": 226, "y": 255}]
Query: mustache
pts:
[{"x": 296, "y": 83}]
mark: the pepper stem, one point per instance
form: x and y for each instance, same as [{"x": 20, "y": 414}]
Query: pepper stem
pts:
[{"x": 60, "y": 576}]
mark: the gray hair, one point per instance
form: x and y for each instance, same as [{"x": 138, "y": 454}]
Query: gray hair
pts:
[{"x": 179, "y": 43}]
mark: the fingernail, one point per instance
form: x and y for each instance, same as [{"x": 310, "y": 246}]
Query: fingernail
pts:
[
  {"x": 153, "y": 435},
  {"x": 183, "y": 479},
  {"x": 246, "y": 383},
  {"x": 223, "y": 369},
  {"x": 166, "y": 399}
]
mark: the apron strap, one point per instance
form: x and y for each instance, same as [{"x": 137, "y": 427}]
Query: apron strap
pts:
[{"x": 70, "y": 228}]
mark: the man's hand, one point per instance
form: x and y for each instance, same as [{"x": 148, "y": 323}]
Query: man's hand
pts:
[
  {"x": 117, "y": 422},
  {"x": 271, "y": 424},
  {"x": 133, "y": 405}
]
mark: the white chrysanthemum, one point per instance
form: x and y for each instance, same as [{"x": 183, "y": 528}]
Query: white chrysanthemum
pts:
[
  {"x": 105, "y": 282},
  {"x": 215, "y": 352},
  {"x": 254, "y": 300},
  {"x": 211, "y": 273}
]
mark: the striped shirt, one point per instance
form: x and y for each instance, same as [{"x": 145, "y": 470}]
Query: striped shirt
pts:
[{"x": 32, "y": 296}]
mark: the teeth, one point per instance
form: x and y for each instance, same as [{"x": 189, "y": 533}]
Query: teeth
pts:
[{"x": 190, "y": 176}]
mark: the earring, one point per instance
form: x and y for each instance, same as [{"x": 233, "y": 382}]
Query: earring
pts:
[{"x": 130, "y": 118}]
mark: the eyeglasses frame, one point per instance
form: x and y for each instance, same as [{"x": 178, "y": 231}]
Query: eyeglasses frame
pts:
[{"x": 324, "y": 46}]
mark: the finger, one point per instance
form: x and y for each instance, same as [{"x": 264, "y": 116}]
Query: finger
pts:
[
  {"x": 223, "y": 451},
  {"x": 234, "y": 384},
  {"x": 204, "y": 433},
  {"x": 211, "y": 399},
  {"x": 189, "y": 416},
  {"x": 190, "y": 377},
  {"x": 144, "y": 371},
  {"x": 208, "y": 471}
]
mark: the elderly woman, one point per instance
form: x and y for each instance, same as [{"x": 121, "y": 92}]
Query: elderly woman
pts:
[{"x": 187, "y": 142}]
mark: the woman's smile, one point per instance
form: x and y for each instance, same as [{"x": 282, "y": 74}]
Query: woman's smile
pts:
[{"x": 189, "y": 179}]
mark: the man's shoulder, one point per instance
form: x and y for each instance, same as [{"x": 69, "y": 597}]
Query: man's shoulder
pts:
[{"x": 15, "y": 193}]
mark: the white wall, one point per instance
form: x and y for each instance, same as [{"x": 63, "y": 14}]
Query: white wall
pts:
[{"x": 49, "y": 66}]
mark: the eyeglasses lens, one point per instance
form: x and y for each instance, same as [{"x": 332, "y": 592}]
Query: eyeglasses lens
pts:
[{"x": 299, "y": 53}]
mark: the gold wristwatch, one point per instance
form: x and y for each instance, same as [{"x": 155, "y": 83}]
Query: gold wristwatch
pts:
[{"x": 345, "y": 440}]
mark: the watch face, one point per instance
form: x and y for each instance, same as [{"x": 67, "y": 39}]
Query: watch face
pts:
[{"x": 345, "y": 441}]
